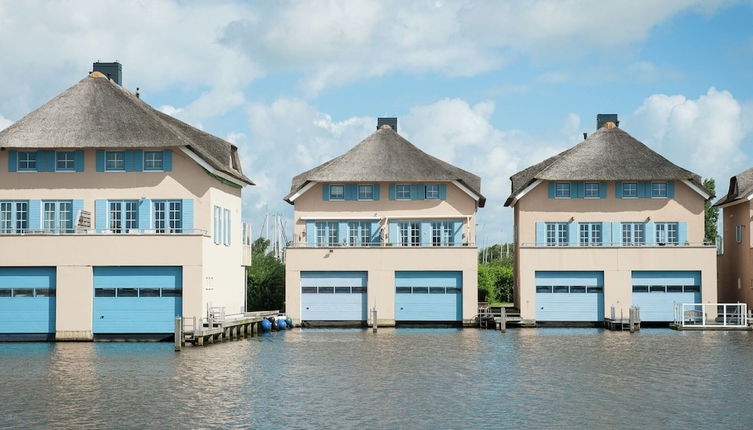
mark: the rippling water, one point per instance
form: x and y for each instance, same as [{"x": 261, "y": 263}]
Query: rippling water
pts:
[{"x": 404, "y": 378}]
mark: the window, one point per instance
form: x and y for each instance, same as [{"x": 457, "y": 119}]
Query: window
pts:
[
  {"x": 590, "y": 234},
  {"x": 123, "y": 216},
  {"x": 57, "y": 216},
  {"x": 409, "y": 233},
  {"x": 432, "y": 191},
  {"x": 27, "y": 161},
  {"x": 629, "y": 189},
  {"x": 633, "y": 234},
  {"x": 326, "y": 233},
  {"x": 14, "y": 217},
  {"x": 64, "y": 161},
  {"x": 226, "y": 226},
  {"x": 114, "y": 160},
  {"x": 562, "y": 190},
  {"x": 738, "y": 233},
  {"x": 556, "y": 234},
  {"x": 402, "y": 192},
  {"x": 666, "y": 232},
  {"x": 658, "y": 189},
  {"x": 365, "y": 192},
  {"x": 217, "y": 231},
  {"x": 442, "y": 233},
  {"x": 359, "y": 233},
  {"x": 153, "y": 160},
  {"x": 337, "y": 192},
  {"x": 592, "y": 190},
  {"x": 167, "y": 216}
]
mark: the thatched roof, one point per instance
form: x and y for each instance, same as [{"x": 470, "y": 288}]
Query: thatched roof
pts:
[
  {"x": 385, "y": 156},
  {"x": 97, "y": 113},
  {"x": 740, "y": 188},
  {"x": 609, "y": 154}
]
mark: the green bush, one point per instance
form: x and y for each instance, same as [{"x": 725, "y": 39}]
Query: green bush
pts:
[
  {"x": 495, "y": 282},
  {"x": 266, "y": 279}
]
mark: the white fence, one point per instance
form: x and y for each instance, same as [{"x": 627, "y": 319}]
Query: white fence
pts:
[{"x": 711, "y": 314}]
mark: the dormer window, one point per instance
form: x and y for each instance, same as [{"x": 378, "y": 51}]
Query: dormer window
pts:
[
  {"x": 629, "y": 189},
  {"x": 153, "y": 160},
  {"x": 658, "y": 189},
  {"x": 65, "y": 161},
  {"x": 402, "y": 192},
  {"x": 115, "y": 160},
  {"x": 27, "y": 161},
  {"x": 432, "y": 191},
  {"x": 365, "y": 192},
  {"x": 562, "y": 190},
  {"x": 337, "y": 192}
]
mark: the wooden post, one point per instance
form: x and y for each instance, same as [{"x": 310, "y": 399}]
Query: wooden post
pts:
[
  {"x": 502, "y": 319},
  {"x": 200, "y": 340},
  {"x": 374, "y": 319},
  {"x": 178, "y": 333},
  {"x": 632, "y": 319}
]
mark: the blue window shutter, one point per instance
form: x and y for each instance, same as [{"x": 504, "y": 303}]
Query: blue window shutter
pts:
[
  {"x": 167, "y": 160},
  {"x": 443, "y": 191},
  {"x": 351, "y": 192},
  {"x": 392, "y": 191},
  {"x": 100, "y": 214},
  {"x": 375, "y": 233},
  {"x": 644, "y": 189},
  {"x": 342, "y": 232},
  {"x": 78, "y": 160},
  {"x": 458, "y": 229},
  {"x": 145, "y": 206},
  {"x": 50, "y": 161},
  {"x": 310, "y": 233},
  {"x": 574, "y": 190},
  {"x": 76, "y": 207},
  {"x": 551, "y": 190},
  {"x": 138, "y": 160},
  {"x": 682, "y": 232},
  {"x": 393, "y": 232},
  {"x": 325, "y": 192},
  {"x": 425, "y": 233},
  {"x": 375, "y": 191},
  {"x": 618, "y": 190},
  {"x": 100, "y": 160},
  {"x": 671, "y": 189},
  {"x": 128, "y": 161},
  {"x": 650, "y": 231},
  {"x": 540, "y": 234},
  {"x": 572, "y": 234},
  {"x": 606, "y": 233},
  {"x": 41, "y": 161},
  {"x": 12, "y": 160},
  {"x": 421, "y": 191},
  {"x": 617, "y": 234},
  {"x": 35, "y": 214},
  {"x": 414, "y": 191},
  {"x": 602, "y": 190},
  {"x": 186, "y": 216}
]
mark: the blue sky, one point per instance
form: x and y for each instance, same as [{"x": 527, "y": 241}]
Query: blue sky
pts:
[{"x": 491, "y": 86}]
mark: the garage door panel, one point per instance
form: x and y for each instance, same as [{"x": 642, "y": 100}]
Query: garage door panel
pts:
[
  {"x": 570, "y": 296},
  {"x": 428, "y": 295},
  {"x": 333, "y": 296},
  {"x": 27, "y": 300},
  {"x": 656, "y": 292}
]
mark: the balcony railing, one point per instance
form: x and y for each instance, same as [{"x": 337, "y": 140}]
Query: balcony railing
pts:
[
  {"x": 619, "y": 245},
  {"x": 92, "y": 231},
  {"x": 380, "y": 245},
  {"x": 712, "y": 315}
]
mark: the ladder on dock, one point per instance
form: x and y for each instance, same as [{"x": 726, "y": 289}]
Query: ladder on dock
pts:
[
  {"x": 499, "y": 316},
  {"x": 632, "y": 323}
]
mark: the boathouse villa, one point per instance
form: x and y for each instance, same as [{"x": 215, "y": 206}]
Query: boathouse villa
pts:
[
  {"x": 115, "y": 218},
  {"x": 383, "y": 226},
  {"x": 736, "y": 259},
  {"x": 609, "y": 222}
]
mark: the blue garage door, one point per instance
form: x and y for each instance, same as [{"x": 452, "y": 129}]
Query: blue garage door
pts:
[
  {"x": 570, "y": 296},
  {"x": 27, "y": 300},
  {"x": 133, "y": 300},
  {"x": 655, "y": 293},
  {"x": 428, "y": 296},
  {"x": 333, "y": 296}
]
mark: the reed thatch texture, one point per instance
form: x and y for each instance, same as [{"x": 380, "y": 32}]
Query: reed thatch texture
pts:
[{"x": 740, "y": 187}]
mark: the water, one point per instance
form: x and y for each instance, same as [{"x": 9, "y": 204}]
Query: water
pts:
[{"x": 405, "y": 378}]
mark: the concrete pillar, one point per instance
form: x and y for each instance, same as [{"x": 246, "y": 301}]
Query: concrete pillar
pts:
[{"x": 74, "y": 303}]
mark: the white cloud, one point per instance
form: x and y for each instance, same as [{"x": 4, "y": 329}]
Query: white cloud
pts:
[
  {"x": 170, "y": 110},
  {"x": 705, "y": 135},
  {"x": 4, "y": 122}
]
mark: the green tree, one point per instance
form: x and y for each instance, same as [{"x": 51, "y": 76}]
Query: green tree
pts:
[
  {"x": 266, "y": 279},
  {"x": 711, "y": 214},
  {"x": 495, "y": 273}
]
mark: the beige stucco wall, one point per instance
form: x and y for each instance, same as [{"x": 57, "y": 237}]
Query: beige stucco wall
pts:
[
  {"x": 211, "y": 273},
  {"x": 381, "y": 264},
  {"x": 457, "y": 204},
  {"x": 736, "y": 262},
  {"x": 617, "y": 263}
]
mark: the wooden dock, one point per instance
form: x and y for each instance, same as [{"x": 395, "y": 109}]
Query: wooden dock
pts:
[
  {"x": 499, "y": 316},
  {"x": 218, "y": 328},
  {"x": 632, "y": 323}
]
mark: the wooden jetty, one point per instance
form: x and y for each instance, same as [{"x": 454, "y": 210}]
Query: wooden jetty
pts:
[
  {"x": 632, "y": 323},
  {"x": 499, "y": 316},
  {"x": 218, "y": 327}
]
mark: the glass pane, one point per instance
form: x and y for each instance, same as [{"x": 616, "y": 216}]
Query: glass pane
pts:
[
  {"x": 543, "y": 289},
  {"x": 172, "y": 292},
  {"x": 44, "y": 292},
  {"x": 5, "y": 292},
  {"x": 561, "y": 289},
  {"x": 436, "y": 290},
  {"x": 308, "y": 290},
  {"x": 104, "y": 292},
  {"x": 674, "y": 288},
  {"x": 577, "y": 289},
  {"x": 420, "y": 290},
  {"x": 657, "y": 289},
  {"x": 692, "y": 289},
  {"x": 23, "y": 292},
  {"x": 326, "y": 290},
  {"x": 128, "y": 292},
  {"x": 358, "y": 290},
  {"x": 640, "y": 289},
  {"x": 149, "y": 292},
  {"x": 403, "y": 290},
  {"x": 595, "y": 289},
  {"x": 342, "y": 290}
]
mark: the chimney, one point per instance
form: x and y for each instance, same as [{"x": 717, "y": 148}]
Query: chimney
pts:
[
  {"x": 603, "y": 118},
  {"x": 392, "y": 122},
  {"x": 113, "y": 71}
]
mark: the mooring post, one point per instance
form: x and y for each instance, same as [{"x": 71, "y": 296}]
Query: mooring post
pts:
[
  {"x": 632, "y": 319},
  {"x": 374, "y": 319},
  {"x": 178, "y": 333},
  {"x": 502, "y": 319}
]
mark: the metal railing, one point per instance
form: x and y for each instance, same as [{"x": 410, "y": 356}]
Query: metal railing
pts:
[
  {"x": 381, "y": 245},
  {"x": 93, "y": 231},
  {"x": 711, "y": 314},
  {"x": 618, "y": 245}
]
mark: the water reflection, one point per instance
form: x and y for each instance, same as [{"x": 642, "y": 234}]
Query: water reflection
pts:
[{"x": 411, "y": 378}]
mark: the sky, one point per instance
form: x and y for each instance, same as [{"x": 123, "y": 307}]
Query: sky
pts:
[{"x": 490, "y": 86}]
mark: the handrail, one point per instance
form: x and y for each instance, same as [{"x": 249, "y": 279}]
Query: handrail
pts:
[
  {"x": 92, "y": 231},
  {"x": 380, "y": 245},
  {"x": 709, "y": 315},
  {"x": 620, "y": 245}
]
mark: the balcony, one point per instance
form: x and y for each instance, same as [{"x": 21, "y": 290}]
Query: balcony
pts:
[
  {"x": 91, "y": 231},
  {"x": 381, "y": 244},
  {"x": 618, "y": 245}
]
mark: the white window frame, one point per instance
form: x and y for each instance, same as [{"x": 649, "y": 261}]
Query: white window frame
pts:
[
  {"x": 14, "y": 216},
  {"x": 161, "y": 168},
  {"x": 409, "y": 233},
  {"x": 442, "y": 233},
  {"x": 109, "y": 169},
  {"x": 634, "y": 186},
  {"x": 631, "y": 233},
  {"x": 557, "y": 234},
  {"x": 370, "y": 194},
  {"x": 590, "y": 234},
  {"x": 71, "y": 160},
  {"x": 432, "y": 192},
  {"x": 659, "y": 195},
  {"x": 402, "y": 188},
  {"x": 664, "y": 233},
  {"x": 226, "y": 226},
  {"x": 31, "y": 157},
  {"x": 598, "y": 190},
  {"x": 738, "y": 233},
  {"x": 342, "y": 194},
  {"x": 217, "y": 232},
  {"x": 557, "y": 190}
]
